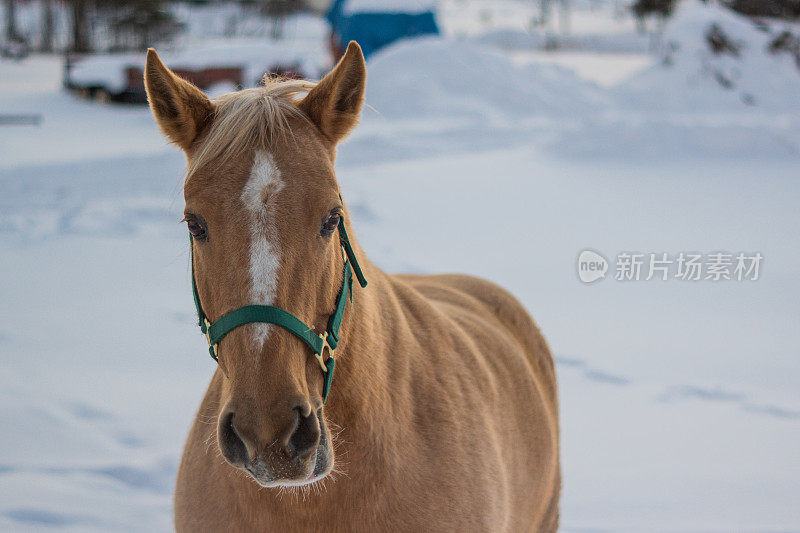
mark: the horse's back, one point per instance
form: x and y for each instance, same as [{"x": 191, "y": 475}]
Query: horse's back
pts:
[
  {"x": 512, "y": 381},
  {"x": 461, "y": 295}
]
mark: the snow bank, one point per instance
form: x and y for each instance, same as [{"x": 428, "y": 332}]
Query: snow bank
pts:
[
  {"x": 714, "y": 59},
  {"x": 655, "y": 140},
  {"x": 598, "y": 43},
  {"x": 389, "y": 6},
  {"x": 437, "y": 77},
  {"x": 107, "y": 71}
]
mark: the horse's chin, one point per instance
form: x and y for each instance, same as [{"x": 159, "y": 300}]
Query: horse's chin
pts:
[
  {"x": 290, "y": 483},
  {"x": 319, "y": 469}
]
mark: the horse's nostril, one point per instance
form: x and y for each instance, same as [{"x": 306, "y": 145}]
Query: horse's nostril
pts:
[
  {"x": 306, "y": 435},
  {"x": 231, "y": 444}
]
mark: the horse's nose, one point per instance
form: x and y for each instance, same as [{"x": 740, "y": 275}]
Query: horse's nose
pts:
[
  {"x": 231, "y": 443},
  {"x": 240, "y": 445},
  {"x": 304, "y": 437}
]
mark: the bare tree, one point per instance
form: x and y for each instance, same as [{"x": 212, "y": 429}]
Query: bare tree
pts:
[
  {"x": 136, "y": 24},
  {"x": 545, "y": 11},
  {"x": 548, "y": 21},
  {"x": 564, "y": 17},
  {"x": 81, "y": 27},
  {"x": 48, "y": 24},
  {"x": 278, "y": 10},
  {"x": 789, "y": 9},
  {"x": 11, "y": 21},
  {"x": 642, "y": 9}
]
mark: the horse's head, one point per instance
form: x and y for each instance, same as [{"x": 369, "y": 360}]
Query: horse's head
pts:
[{"x": 262, "y": 205}]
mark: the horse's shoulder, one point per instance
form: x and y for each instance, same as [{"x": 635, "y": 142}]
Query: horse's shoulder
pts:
[{"x": 470, "y": 292}]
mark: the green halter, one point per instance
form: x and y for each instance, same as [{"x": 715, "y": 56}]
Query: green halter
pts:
[{"x": 268, "y": 314}]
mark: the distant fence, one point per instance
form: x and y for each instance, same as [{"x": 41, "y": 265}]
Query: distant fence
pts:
[{"x": 21, "y": 120}]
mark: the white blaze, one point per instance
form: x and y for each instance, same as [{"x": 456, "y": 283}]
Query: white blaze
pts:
[{"x": 264, "y": 248}]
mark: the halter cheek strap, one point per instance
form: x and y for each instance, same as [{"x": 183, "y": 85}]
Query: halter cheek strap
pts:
[{"x": 268, "y": 314}]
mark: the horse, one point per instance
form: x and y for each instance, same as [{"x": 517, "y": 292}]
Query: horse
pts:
[{"x": 443, "y": 411}]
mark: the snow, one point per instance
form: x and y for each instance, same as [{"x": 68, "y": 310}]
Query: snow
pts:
[
  {"x": 680, "y": 406},
  {"x": 593, "y": 26},
  {"x": 67, "y": 122},
  {"x": 606, "y": 70},
  {"x": 688, "y": 74},
  {"x": 389, "y": 6},
  {"x": 107, "y": 71},
  {"x": 229, "y": 20},
  {"x": 497, "y": 86}
]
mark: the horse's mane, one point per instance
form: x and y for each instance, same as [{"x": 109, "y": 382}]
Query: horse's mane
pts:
[{"x": 250, "y": 117}]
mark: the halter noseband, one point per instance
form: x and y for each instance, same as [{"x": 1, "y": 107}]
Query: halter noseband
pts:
[{"x": 268, "y": 314}]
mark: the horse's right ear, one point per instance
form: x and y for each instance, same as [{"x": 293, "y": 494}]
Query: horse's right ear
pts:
[{"x": 181, "y": 109}]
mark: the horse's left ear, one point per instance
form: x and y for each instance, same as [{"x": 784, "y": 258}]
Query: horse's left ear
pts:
[
  {"x": 181, "y": 109},
  {"x": 334, "y": 104}
]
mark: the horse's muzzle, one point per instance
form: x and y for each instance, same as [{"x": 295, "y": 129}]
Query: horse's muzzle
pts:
[{"x": 298, "y": 455}]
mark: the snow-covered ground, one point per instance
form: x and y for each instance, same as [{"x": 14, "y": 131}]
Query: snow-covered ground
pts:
[{"x": 680, "y": 399}]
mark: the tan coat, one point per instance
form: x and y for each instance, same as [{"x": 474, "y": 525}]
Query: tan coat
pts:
[{"x": 443, "y": 414}]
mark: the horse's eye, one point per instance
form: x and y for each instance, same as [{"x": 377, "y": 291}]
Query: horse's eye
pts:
[
  {"x": 330, "y": 223},
  {"x": 197, "y": 227}
]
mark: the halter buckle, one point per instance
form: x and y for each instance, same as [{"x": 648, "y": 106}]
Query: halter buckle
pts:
[
  {"x": 321, "y": 355},
  {"x": 212, "y": 346}
]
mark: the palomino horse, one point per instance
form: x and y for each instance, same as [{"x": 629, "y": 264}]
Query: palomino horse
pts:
[{"x": 442, "y": 415}]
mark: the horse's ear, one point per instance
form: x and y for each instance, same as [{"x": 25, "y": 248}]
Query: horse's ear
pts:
[
  {"x": 334, "y": 104},
  {"x": 181, "y": 109}
]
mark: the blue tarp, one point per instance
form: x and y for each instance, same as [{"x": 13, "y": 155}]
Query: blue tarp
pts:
[{"x": 374, "y": 30}]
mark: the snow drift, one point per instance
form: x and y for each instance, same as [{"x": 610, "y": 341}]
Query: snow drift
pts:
[
  {"x": 437, "y": 77},
  {"x": 715, "y": 59}
]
